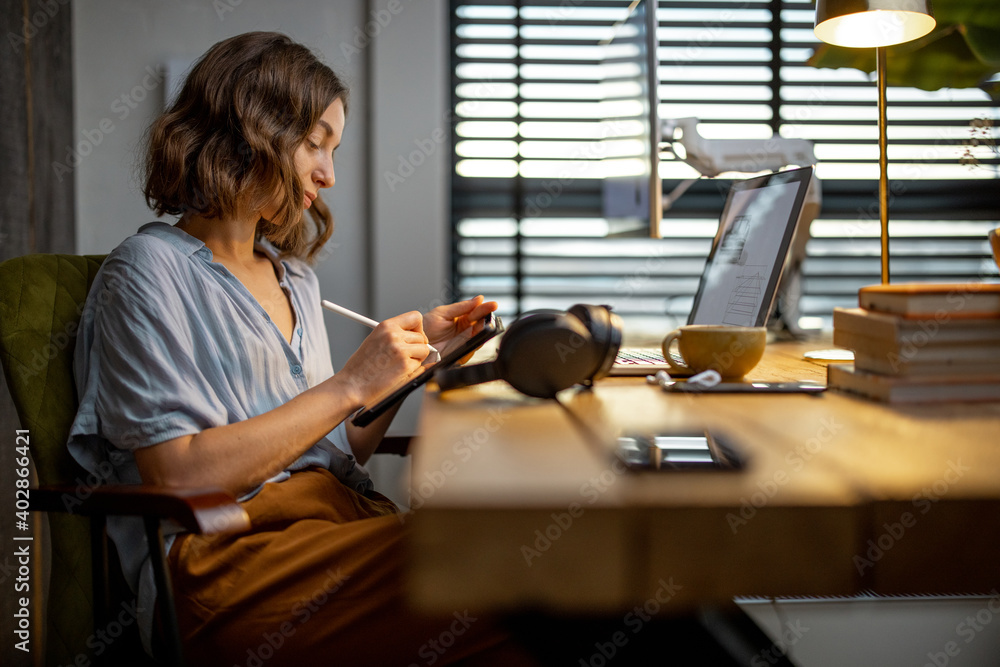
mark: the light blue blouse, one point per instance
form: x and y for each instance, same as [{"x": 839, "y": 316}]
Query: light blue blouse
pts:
[{"x": 170, "y": 344}]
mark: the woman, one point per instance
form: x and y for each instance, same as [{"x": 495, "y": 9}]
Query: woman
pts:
[{"x": 203, "y": 361}]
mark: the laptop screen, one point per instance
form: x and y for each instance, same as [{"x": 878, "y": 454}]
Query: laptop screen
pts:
[{"x": 743, "y": 268}]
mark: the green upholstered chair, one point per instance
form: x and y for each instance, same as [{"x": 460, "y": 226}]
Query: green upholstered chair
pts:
[{"x": 41, "y": 300}]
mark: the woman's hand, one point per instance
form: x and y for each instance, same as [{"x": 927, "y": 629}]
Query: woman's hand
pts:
[
  {"x": 395, "y": 349},
  {"x": 242, "y": 455},
  {"x": 446, "y": 322}
]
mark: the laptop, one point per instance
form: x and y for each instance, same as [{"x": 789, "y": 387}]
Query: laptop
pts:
[{"x": 740, "y": 280}]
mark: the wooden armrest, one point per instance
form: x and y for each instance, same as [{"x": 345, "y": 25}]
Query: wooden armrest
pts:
[
  {"x": 399, "y": 445},
  {"x": 206, "y": 510}
]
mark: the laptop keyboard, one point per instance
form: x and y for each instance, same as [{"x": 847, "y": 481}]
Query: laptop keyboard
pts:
[{"x": 639, "y": 356}]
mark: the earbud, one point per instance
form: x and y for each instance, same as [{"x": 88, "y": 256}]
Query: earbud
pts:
[{"x": 546, "y": 351}]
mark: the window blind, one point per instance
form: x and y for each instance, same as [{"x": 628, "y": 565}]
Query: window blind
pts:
[{"x": 526, "y": 199}]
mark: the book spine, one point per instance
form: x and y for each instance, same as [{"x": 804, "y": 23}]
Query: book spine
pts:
[
  {"x": 909, "y": 344},
  {"x": 937, "y": 300},
  {"x": 939, "y": 307},
  {"x": 920, "y": 349},
  {"x": 898, "y": 366},
  {"x": 840, "y": 376},
  {"x": 894, "y": 390},
  {"x": 900, "y": 331}
]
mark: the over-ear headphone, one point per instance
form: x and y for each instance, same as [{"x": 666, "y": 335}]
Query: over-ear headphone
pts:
[{"x": 546, "y": 351}]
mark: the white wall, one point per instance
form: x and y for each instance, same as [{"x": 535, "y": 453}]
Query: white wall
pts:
[
  {"x": 410, "y": 163},
  {"x": 410, "y": 157}
]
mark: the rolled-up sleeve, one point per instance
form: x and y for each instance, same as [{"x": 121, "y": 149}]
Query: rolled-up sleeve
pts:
[{"x": 150, "y": 387}]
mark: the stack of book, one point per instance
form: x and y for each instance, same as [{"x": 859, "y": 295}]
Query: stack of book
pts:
[{"x": 917, "y": 343}]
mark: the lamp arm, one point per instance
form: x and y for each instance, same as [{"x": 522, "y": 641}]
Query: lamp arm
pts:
[
  {"x": 712, "y": 157},
  {"x": 675, "y": 194}
]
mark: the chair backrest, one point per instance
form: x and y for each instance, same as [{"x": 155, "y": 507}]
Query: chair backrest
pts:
[{"x": 41, "y": 301}]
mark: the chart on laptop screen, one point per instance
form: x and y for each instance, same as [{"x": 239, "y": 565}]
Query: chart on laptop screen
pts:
[{"x": 747, "y": 257}]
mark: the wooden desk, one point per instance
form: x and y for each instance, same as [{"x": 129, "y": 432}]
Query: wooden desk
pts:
[{"x": 518, "y": 503}]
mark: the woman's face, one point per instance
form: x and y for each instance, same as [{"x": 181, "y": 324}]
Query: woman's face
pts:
[{"x": 314, "y": 156}]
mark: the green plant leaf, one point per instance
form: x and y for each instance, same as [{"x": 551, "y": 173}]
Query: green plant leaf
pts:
[
  {"x": 962, "y": 52},
  {"x": 984, "y": 44},
  {"x": 835, "y": 57},
  {"x": 985, "y": 13},
  {"x": 946, "y": 61}
]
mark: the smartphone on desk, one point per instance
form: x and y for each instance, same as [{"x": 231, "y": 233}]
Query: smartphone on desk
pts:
[{"x": 694, "y": 449}]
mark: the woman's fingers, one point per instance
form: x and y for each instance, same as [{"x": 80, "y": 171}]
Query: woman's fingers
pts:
[
  {"x": 394, "y": 350},
  {"x": 450, "y": 311},
  {"x": 410, "y": 321},
  {"x": 407, "y": 330},
  {"x": 445, "y": 321},
  {"x": 482, "y": 310}
]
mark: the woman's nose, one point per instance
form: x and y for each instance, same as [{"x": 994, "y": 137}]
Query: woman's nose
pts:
[{"x": 324, "y": 174}]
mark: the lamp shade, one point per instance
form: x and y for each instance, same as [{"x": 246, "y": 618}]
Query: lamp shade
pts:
[{"x": 872, "y": 23}]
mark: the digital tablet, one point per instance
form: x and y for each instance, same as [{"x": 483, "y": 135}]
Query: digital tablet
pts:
[{"x": 491, "y": 327}]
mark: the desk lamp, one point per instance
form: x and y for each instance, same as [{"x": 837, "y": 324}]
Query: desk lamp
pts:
[{"x": 878, "y": 24}]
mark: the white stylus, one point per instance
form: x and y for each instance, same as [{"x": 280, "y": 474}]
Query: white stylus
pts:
[{"x": 360, "y": 319}]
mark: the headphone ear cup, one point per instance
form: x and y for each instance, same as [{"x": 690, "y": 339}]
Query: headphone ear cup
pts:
[
  {"x": 544, "y": 353},
  {"x": 605, "y": 329}
]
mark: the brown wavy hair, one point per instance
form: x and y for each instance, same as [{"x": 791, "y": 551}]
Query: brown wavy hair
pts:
[{"x": 226, "y": 146}]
